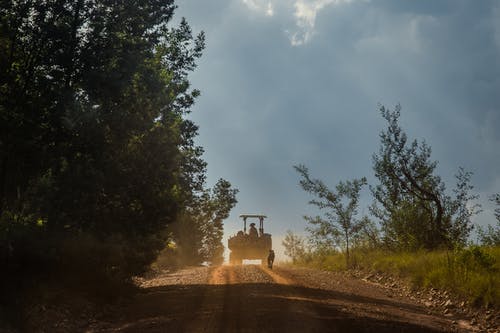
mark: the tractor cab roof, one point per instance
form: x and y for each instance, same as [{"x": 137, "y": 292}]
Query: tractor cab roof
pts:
[
  {"x": 261, "y": 221},
  {"x": 253, "y": 215}
]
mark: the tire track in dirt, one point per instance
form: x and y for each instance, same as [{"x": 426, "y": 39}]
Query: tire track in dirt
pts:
[
  {"x": 218, "y": 276},
  {"x": 219, "y": 310},
  {"x": 231, "y": 316},
  {"x": 251, "y": 298},
  {"x": 297, "y": 303},
  {"x": 211, "y": 308},
  {"x": 276, "y": 277}
]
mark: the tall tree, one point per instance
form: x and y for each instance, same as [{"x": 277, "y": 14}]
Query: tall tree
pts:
[
  {"x": 341, "y": 206},
  {"x": 410, "y": 199},
  {"x": 94, "y": 142}
]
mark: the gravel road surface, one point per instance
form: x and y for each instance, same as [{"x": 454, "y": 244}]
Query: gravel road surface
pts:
[{"x": 252, "y": 298}]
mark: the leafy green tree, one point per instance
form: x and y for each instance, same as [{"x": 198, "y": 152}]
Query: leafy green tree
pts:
[
  {"x": 341, "y": 206},
  {"x": 409, "y": 192},
  {"x": 95, "y": 146},
  {"x": 410, "y": 200},
  {"x": 294, "y": 246}
]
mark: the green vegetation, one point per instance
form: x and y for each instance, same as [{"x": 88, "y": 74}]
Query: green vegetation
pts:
[
  {"x": 472, "y": 273},
  {"x": 98, "y": 165},
  {"x": 422, "y": 232}
]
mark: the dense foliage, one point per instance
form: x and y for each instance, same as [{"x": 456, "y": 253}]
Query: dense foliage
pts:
[{"x": 97, "y": 156}]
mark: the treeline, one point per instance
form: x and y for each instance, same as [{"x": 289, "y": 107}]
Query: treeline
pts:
[
  {"x": 412, "y": 209},
  {"x": 98, "y": 165}
]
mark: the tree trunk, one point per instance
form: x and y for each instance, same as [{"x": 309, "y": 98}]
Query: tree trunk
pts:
[{"x": 347, "y": 249}]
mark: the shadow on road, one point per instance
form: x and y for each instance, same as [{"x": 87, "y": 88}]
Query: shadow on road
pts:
[{"x": 260, "y": 307}]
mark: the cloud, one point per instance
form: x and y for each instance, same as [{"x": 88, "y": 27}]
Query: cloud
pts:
[
  {"x": 266, "y": 105},
  {"x": 302, "y": 13},
  {"x": 260, "y": 6},
  {"x": 305, "y": 15},
  {"x": 405, "y": 35}
]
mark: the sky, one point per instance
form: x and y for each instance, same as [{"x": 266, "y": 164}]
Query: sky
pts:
[{"x": 287, "y": 82}]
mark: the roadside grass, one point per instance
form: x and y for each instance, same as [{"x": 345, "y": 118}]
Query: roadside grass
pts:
[{"x": 472, "y": 273}]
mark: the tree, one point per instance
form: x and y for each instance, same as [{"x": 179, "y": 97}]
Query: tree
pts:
[
  {"x": 216, "y": 209},
  {"x": 491, "y": 236},
  {"x": 325, "y": 236},
  {"x": 341, "y": 206},
  {"x": 294, "y": 246},
  {"x": 496, "y": 200},
  {"x": 95, "y": 147},
  {"x": 410, "y": 200},
  {"x": 461, "y": 209},
  {"x": 369, "y": 235},
  {"x": 198, "y": 231},
  {"x": 187, "y": 235}
]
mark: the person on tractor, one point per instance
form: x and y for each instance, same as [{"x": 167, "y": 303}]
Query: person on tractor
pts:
[
  {"x": 252, "y": 232},
  {"x": 270, "y": 259}
]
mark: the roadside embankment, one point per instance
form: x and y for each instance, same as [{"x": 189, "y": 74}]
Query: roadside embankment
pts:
[{"x": 464, "y": 283}]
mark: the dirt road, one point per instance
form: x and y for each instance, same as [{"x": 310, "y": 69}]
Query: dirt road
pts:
[{"x": 252, "y": 298}]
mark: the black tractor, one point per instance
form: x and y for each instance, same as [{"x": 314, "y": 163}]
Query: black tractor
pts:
[{"x": 254, "y": 245}]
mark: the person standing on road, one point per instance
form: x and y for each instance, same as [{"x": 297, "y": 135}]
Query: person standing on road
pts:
[{"x": 270, "y": 259}]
